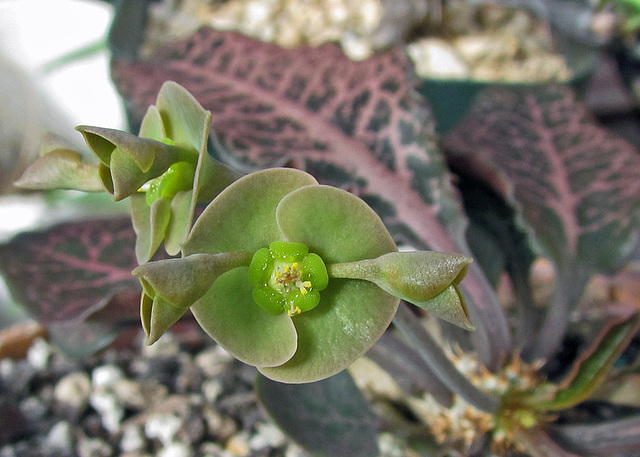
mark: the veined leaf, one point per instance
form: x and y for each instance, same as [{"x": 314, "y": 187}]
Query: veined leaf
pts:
[
  {"x": 329, "y": 417},
  {"x": 574, "y": 184},
  {"x": 69, "y": 274},
  {"x": 355, "y": 125}
]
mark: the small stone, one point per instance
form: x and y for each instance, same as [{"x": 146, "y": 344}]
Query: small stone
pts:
[
  {"x": 212, "y": 389},
  {"x": 60, "y": 439},
  {"x": 106, "y": 376},
  {"x": 93, "y": 447},
  {"x": 132, "y": 439},
  {"x": 213, "y": 361},
  {"x": 16, "y": 340},
  {"x": 130, "y": 393},
  {"x": 72, "y": 392},
  {"x": 7, "y": 367},
  {"x": 219, "y": 426},
  {"x": 238, "y": 444},
  {"x": 111, "y": 412},
  {"x": 176, "y": 449},
  {"x": 17, "y": 376},
  {"x": 163, "y": 427},
  {"x": 267, "y": 436},
  {"x": 356, "y": 47},
  {"x": 210, "y": 449},
  {"x": 33, "y": 408},
  {"x": 39, "y": 354},
  {"x": 434, "y": 57}
]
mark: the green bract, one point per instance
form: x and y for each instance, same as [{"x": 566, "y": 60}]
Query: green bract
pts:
[
  {"x": 166, "y": 170},
  {"x": 265, "y": 249}
]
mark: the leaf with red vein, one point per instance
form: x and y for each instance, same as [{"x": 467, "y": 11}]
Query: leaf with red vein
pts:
[
  {"x": 575, "y": 184},
  {"x": 68, "y": 273},
  {"x": 356, "y": 125}
]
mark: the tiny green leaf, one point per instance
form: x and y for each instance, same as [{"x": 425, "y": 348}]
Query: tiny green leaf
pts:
[
  {"x": 185, "y": 121},
  {"x": 150, "y": 224},
  {"x": 157, "y": 316},
  {"x": 131, "y": 160},
  {"x": 179, "y": 222},
  {"x": 61, "y": 169},
  {"x": 152, "y": 126},
  {"x": 427, "y": 279},
  {"x": 183, "y": 281}
]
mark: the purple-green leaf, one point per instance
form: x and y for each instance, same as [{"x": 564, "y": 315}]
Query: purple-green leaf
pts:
[
  {"x": 329, "y": 417},
  {"x": 72, "y": 273},
  {"x": 591, "y": 369},
  {"x": 355, "y": 125},
  {"x": 574, "y": 183}
]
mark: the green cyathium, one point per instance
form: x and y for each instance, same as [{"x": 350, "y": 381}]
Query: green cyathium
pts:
[{"x": 286, "y": 277}]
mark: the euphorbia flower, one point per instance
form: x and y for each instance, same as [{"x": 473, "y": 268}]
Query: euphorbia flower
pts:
[
  {"x": 166, "y": 169},
  {"x": 296, "y": 278}
]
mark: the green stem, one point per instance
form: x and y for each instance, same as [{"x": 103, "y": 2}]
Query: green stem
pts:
[{"x": 431, "y": 352}]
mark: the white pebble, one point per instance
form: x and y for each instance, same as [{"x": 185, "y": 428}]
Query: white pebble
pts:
[
  {"x": 93, "y": 447},
  {"x": 73, "y": 391},
  {"x": 111, "y": 412},
  {"x": 213, "y": 361},
  {"x": 163, "y": 427},
  {"x": 268, "y": 435},
  {"x": 176, "y": 449},
  {"x": 132, "y": 439},
  {"x": 60, "y": 438},
  {"x": 106, "y": 376},
  {"x": 436, "y": 58},
  {"x": 211, "y": 389},
  {"x": 39, "y": 354},
  {"x": 7, "y": 367}
]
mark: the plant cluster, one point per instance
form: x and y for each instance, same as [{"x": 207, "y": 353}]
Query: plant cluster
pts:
[
  {"x": 298, "y": 277},
  {"x": 295, "y": 278}
]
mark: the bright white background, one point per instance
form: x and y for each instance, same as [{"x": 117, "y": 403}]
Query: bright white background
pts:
[{"x": 35, "y": 32}]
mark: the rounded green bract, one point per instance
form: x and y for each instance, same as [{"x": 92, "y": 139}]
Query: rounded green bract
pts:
[{"x": 286, "y": 277}]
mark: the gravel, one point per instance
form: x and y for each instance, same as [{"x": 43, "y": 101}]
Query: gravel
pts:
[{"x": 167, "y": 400}]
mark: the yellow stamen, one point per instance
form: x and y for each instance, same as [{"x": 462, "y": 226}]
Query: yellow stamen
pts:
[{"x": 293, "y": 310}]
